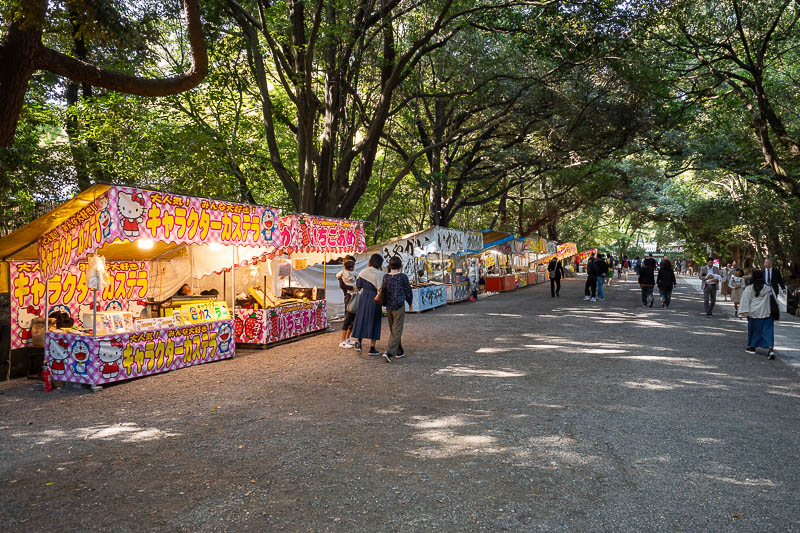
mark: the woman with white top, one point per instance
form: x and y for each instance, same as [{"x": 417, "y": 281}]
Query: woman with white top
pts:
[
  {"x": 755, "y": 305},
  {"x": 736, "y": 285}
]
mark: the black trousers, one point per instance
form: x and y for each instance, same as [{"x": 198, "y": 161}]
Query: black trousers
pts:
[
  {"x": 590, "y": 289},
  {"x": 555, "y": 287}
]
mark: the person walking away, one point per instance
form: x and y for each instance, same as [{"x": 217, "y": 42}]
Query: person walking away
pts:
[
  {"x": 591, "y": 280},
  {"x": 601, "y": 267},
  {"x": 755, "y": 305},
  {"x": 691, "y": 267},
  {"x": 397, "y": 292},
  {"x": 650, "y": 262},
  {"x": 736, "y": 283},
  {"x": 610, "y": 274},
  {"x": 626, "y": 267},
  {"x": 710, "y": 278},
  {"x": 556, "y": 271},
  {"x": 666, "y": 282},
  {"x": 772, "y": 277},
  {"x": 647, "y": 281},
  {"x": 367, "y": 324},
  {"x": 347, "y": 282},
  {"x": 474, "y": 276}
]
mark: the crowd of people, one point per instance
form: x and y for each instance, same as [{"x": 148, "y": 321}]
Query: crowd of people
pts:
[{"x": 754, "y": 294}]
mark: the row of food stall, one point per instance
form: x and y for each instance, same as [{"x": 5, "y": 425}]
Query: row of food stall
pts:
[
  {"x": 128, "y": 282},
  {"x": 123, "y": 282}
]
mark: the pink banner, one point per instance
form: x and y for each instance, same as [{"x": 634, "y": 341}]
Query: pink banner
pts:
[
  {"x": 81, "y": 234},
  {"x": 132, "y": 214},
  {"x": 310, "y": 234},
  {"x": 265, "y": 326},
  {"x": 68, "y": 293},
  {"x": 105, "y": 359}
]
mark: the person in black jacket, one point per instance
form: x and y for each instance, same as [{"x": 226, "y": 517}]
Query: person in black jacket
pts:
[
  {"x": 647, "y": 282},
  {"x": 591, "y": 280},
  {"x": 601, "y": 268},
  {"x": 556, "y": 271},
  {"x": 666, "y": 282}
]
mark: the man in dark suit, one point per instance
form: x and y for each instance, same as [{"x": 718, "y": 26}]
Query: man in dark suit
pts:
[
  {"x": 772, "y": 276},
  {"x": 556, "y": 271}
]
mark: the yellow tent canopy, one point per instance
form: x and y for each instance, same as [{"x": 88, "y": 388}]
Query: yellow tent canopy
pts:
[{"x": 21, "y": 245}]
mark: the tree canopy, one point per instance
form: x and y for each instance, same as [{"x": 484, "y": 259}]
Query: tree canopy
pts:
[{"x": 606, "y": 122}]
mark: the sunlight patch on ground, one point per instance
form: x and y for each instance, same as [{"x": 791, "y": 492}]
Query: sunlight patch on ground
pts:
[
  {"x": 457, "y": 399},
  {"x": 443, "y": 444},
  {"x": 542, "y": 346},
  {"x": 508, "y": 315},
  {"x": 603, "y": 351},
  {"x": 650, "y": 384},
  {"x": 687, "y": 362},
  {"x": 493, "y": 350},
  {"x": 746, "y": 482},
  {"x": 124, "y": 432},
  {"x": 708, "y": 440},
  {"x": 453, "y": 421},
  {"x": 471, "y": 371}
]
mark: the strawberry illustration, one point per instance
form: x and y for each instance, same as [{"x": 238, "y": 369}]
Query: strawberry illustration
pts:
[
  {"x": 252, "y": 328},
  {"x": 273, "y": 320},
  {"x": 319, "y": 315},
  {"x": 238, "y": 327},
  {"x": 304, "y": 232}
]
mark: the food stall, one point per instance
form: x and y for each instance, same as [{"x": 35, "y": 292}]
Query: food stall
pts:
[
  {"x": 435, "y": 261},
  {"x": 99, "y": 264},
  {"x": 535, "y": 248},
  {"x": 275, "y": 308},
  {"x": 497, "y": 259}
]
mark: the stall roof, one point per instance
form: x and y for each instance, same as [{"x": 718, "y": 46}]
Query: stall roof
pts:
[
  {"x": 21, "y": 244},
  {"x": 376, "y": 248}
]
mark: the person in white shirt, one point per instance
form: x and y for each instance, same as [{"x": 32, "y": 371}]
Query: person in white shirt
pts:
[
  {"x": 736, "y": 284},
  {"x": 710, "y": 277},
  {"x": 347, "y": 282},
  {"x": 756, "y": 307},
  {"x": 772, "y": 276}
]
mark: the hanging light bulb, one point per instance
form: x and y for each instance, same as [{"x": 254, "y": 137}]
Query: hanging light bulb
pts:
[{"x": 145, "y": 244}]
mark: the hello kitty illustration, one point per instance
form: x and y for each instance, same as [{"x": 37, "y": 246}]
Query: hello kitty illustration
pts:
[
  {"x": 58, "y": 352},
  {"x": 136, "y": 307},
  {"x": 224, "y": 337},
  {"x": 80, "y": 356},
  {"x": 131, "y": 211},
  {"x": 25, "y": 318},
  {"x": 110, "y": 353},
  {"x": 104, "y": 217}
]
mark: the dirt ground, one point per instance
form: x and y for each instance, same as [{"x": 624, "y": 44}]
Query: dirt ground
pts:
[{"x": 516, "y": 413}]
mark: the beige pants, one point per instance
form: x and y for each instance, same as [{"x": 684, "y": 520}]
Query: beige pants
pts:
[{"x": 396, "y": 320}]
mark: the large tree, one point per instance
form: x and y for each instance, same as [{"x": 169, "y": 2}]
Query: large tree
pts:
[{"x": 23, "y": 52}]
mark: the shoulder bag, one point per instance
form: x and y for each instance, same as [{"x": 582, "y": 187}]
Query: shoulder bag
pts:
[
  {"x": 774, "y": 311},
  {"x": 352, "y": 305}
]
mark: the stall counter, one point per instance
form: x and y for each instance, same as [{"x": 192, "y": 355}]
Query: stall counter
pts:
[
  {"x": 532, "y": 278},
  {"x": 279, "y": 323},
  {"x": 76, "y": 358},
  {"x": 428, "y": 297},
  {"x": 501, "y": 283},
  {"x": 458, "y": 292},
  {"x": 522, "y": 279}
]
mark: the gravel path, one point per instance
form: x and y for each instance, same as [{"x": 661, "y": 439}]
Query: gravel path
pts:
[{"x": 516, "y": 413}]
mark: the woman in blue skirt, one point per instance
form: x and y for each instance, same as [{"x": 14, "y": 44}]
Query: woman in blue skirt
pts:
[
  {"x": 755, "y": 305},
  {"x": 368, "y": 315}
]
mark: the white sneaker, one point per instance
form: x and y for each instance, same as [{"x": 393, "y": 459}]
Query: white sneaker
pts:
[
  {"x": 585, "y": 298},
  {"x": 345, "y": 344},
  {"x": 594, "y": 299}
]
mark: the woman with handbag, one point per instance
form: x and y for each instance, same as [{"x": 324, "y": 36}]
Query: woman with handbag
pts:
[
  {"x": 396, "y": 291},
  {"x": 759, "y": 306},
  {"x": 367, "y": 323}
]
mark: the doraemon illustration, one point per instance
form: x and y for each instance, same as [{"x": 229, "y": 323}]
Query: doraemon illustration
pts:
[
  {"x": 104, "y": 217},
  {"x": 58, "y": 351},
  {"x": 60, "y": 308},
  {"x": 268, "y": 221},
  {"x": 80, "y": 356},
  {"x": 110, "y": 353},
  {"x": 224, "y": 337},
  {"x": 25, "y": 318},
  {"x": 114, "y": 305},
  {"x": 131, "y": 212}
]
